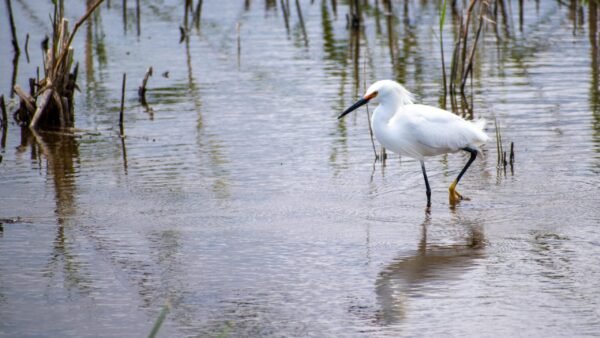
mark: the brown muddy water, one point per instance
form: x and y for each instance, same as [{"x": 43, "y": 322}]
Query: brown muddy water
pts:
[{"x": 241, "y": 201}]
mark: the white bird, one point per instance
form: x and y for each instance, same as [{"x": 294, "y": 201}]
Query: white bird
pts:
[{"x": 420, "y": 131}]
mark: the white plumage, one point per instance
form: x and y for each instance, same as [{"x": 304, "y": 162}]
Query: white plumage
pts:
[{"x": 419, "y": 131}]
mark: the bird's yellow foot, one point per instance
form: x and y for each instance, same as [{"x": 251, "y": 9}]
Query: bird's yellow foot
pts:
[{"x": 453, "y": 196}]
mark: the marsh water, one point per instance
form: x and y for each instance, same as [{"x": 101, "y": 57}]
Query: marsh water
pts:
[{"x": 241, "y": 204}]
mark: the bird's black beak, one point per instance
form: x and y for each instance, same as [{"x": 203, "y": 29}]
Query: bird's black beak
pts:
[{"x": 357, "y": 104}]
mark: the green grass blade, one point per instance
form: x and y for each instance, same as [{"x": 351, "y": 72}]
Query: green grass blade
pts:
[
  {"x": 443, "y": 15},
  {"x": 159, "y": 321}
]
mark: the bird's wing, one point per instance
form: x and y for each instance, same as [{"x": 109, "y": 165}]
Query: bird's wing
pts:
[{"x": 438, "y": 130}]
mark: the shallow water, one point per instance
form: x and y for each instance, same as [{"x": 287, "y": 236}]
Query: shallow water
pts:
[{"x": 242, "y": 202}]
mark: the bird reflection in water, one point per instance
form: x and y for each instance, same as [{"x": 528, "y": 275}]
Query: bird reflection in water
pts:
[{"x": 406, "y": 276}]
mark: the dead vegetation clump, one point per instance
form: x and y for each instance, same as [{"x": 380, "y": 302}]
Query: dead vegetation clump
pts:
[{"x": 49, "y": 102}]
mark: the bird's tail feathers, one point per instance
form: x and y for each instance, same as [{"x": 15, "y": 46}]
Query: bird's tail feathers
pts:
[
  {"x": 483, "y": 137},
  {"x": 480, "y": 123}
]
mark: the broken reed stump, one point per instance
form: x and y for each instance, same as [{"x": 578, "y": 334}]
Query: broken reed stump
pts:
[
  {"x": 27, "y": 47},
  {"x": 142, "y": 88},
  {"x": 50, "y": 103},
  {"x": 4, "y": 122}
]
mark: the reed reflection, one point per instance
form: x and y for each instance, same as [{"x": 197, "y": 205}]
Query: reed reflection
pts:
[
  {"x": 406, "y": 276},
  {"x": 207, "y": 144},
  {"x": 60, "y": 151},
  {"x": 595, "y": 73}
]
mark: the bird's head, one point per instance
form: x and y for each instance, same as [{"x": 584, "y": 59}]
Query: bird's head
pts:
[{"x": 386, "y": 92}]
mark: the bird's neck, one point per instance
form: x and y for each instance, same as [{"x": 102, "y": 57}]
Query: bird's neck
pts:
[
  {"x": 380, "y": 119},
  {"x": 384, "y": 112}
]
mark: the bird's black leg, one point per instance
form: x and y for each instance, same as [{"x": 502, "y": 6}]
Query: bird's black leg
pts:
[
  {"x": 428, "y": 190},
  {"x": 454, "y": 195}
]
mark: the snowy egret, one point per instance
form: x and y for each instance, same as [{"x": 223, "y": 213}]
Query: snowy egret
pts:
[{"x": 420, "y": 131}]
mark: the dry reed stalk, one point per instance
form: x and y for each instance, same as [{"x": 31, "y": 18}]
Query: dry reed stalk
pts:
[
  {"x": 454, "y": 71},
  {"x": 463, "y": 56},
  {"x": 469, "y": 65},
  {"x": 465, "y": 28},
  {"x": 27, "y": 100}
]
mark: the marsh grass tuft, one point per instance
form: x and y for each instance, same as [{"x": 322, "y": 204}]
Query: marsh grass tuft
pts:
[
  {"x": 474, "y": 18},
  {"x": 499, "y": 149},
  {"x": 502, "y": 161}
]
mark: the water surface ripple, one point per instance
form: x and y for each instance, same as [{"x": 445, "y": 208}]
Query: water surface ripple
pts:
[{"x": 238, "y": 199}]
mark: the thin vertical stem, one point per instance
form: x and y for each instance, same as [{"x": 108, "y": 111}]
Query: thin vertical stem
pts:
[
  {"x": 469, "y": 65},
  {"x": 442, "y": 19},
  {"x": 13, "y": 29},
  {"x": 499, "y": 147},
  {"x": 188, "y": 7},
  {"x": 122, "y": 104},
  {"x": 4, "y": 122},
  {"x": 239, "y": 43},
  {"x": 368, "y": 113},
  {"x": 198, "y": 13},
  {"x": 125, "y": 16},
  {"x": 138, "y": 17}
]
